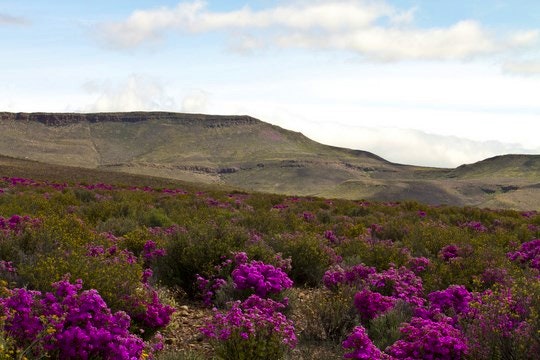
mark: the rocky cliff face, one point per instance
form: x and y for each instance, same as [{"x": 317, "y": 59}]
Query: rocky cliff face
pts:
[{"x": 63, "y": 119}]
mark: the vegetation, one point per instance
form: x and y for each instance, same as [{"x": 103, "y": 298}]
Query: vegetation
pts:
[{"x": 288, "y": 277}]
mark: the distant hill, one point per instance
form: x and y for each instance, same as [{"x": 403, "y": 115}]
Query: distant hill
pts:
[
  {"x": 505, "y": 166},
  {"x": 246, "y": 153}
]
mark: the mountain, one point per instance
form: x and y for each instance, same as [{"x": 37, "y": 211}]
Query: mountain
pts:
[{"x": 246, "y": 153}]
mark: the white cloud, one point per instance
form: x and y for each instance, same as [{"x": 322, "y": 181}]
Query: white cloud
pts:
[
  {"x": 526, "y": 68},
  {"x": 372, "y": 29},
  {"x": 137, "y": 92},
  {"x": 415, "y": 147},
  {"x": 412, "y": 146},
  {"x": 461, "y": 41},
  {"x": 6, "y": 19},
  {"x": 195, "y": 102}
]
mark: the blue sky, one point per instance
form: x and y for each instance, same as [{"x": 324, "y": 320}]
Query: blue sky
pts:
[{"x": 437, "y": 83}]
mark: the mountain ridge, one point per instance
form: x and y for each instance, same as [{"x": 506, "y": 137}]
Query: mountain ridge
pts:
[{"x": 247, "y": 153}]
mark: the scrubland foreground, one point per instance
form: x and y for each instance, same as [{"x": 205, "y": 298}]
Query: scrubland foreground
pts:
[{"x": 97, "y": 271}]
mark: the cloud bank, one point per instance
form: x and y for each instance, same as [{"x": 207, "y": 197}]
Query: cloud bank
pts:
[
  {"x": 415, "y": 147},
  {"x": 373, "y": 29},
  {"x": 136, "y": 93},
  {"x": 524, "y": 68}
]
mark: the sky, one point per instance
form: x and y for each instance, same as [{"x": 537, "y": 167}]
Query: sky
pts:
[{"x": 423, "y": 82}]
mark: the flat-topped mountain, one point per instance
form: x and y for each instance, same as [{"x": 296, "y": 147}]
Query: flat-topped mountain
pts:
[{"x": 247, "y": 153}]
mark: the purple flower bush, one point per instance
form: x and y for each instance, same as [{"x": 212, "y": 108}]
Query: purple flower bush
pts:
[
  {"x": 400, "y": 283},
  {"x": 418, "y": 264},
  {"x": 449, "y": 252},
  {"x": 493, "y": 276},
  {"x": 263, "y": 279},
  {"x": 149, "y": 312},
  {"x": 246, "y": 278},
  {"x": 352, "y": 276},
  {"x": 498, "y": 311},
  {"x": 427, "y": 339},
  {"x": 16, "y": 224},
  {"x": 359, "y": 346},
  {"x": 69, "y": 324},
  {"x": 252, "y": 329},
  {"x": 498, "y": 321},
  {"x": 529, "y": 254},
  {"x": 144, "y": 307},
  {"x": 371, "y": 304},
  {"x": 474, "y": 225},
  {"x": 452, "y": 302},
  {"x": 151, "y": 251},
  {"x": 331, "y": 236}
]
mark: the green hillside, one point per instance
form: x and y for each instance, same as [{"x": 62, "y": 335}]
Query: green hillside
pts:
[{"x": 246, "y": 153}]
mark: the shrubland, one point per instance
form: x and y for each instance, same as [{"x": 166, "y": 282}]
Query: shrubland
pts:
[{"x": 98, "y": 271}]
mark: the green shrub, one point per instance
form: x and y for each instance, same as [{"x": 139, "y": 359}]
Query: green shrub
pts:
[
  {"x": 114, "y": 280},
  {"x": 117, "y": 226},
  {"x": 197, "y": 251},
  {"x": 328, "y": 315},
  {"x": 384, "y": 329},
  {"x": 309, "y": 258},
  {"x": 155, "y": 218}
]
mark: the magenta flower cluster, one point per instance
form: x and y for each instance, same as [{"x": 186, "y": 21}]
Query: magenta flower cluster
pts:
[
  {"x": 499, "y": 311},
  {"x": 428, "y": 339},
  {"x": 151, "y": 251},
  {"x": 451, "y": 304},
  {"x": 263, "y": 279},
  {"x": 359, "y": 346},
  {"x": 474, "y": 225},
  {"x": 152, "y": 313},
  {"x": 253, "y": 277},
  {"x": 370, "y": 304},
  {"x": 16, "y": 224},
  {"x": 353, "y": 275},
  {"x": 7, "y": 267},
  {"x": 255, "y": 318},
  {"x": 400, "y": 283},
  {"x": 111, "y": 254},
  {"x": 71, "y": 323},
  {"x": 145, "y": 308},
  {"x": 15, "y": 181},
  {"x": 449, "y": 252},
  {"x": 452, "y": 301},
  {"x": 331, "y": 236},
  {"x": 529, "y": 253},
  {"x": 418, "y": 264}
]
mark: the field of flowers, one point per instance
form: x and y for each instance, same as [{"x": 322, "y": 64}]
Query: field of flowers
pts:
[{"x": 98, "y": 271}]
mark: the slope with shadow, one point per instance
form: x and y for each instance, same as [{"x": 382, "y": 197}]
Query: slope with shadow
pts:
[{"x": 244, "y": 152}]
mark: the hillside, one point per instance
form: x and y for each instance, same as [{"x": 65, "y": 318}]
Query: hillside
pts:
[{"x": 246, "y": 153}]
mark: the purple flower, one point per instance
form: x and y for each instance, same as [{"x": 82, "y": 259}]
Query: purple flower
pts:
[
  {"x": 255, "y": 319},
  {"x": 427, "y": 339},
  {"x": 360, "y": 346},
  {"x": 354, "y": 275},
  {"x": 529, "y": 254},
  {"x": 449, "y": 252},
  {"x": 151, "y": 251},
  {"x": 418, "y": 264},
  {"x": 400, "y": 283},
  {"x": 260, "y": 278},
  {"x": 76, "y": 324},
  {"x": 371, "y": 304}
]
